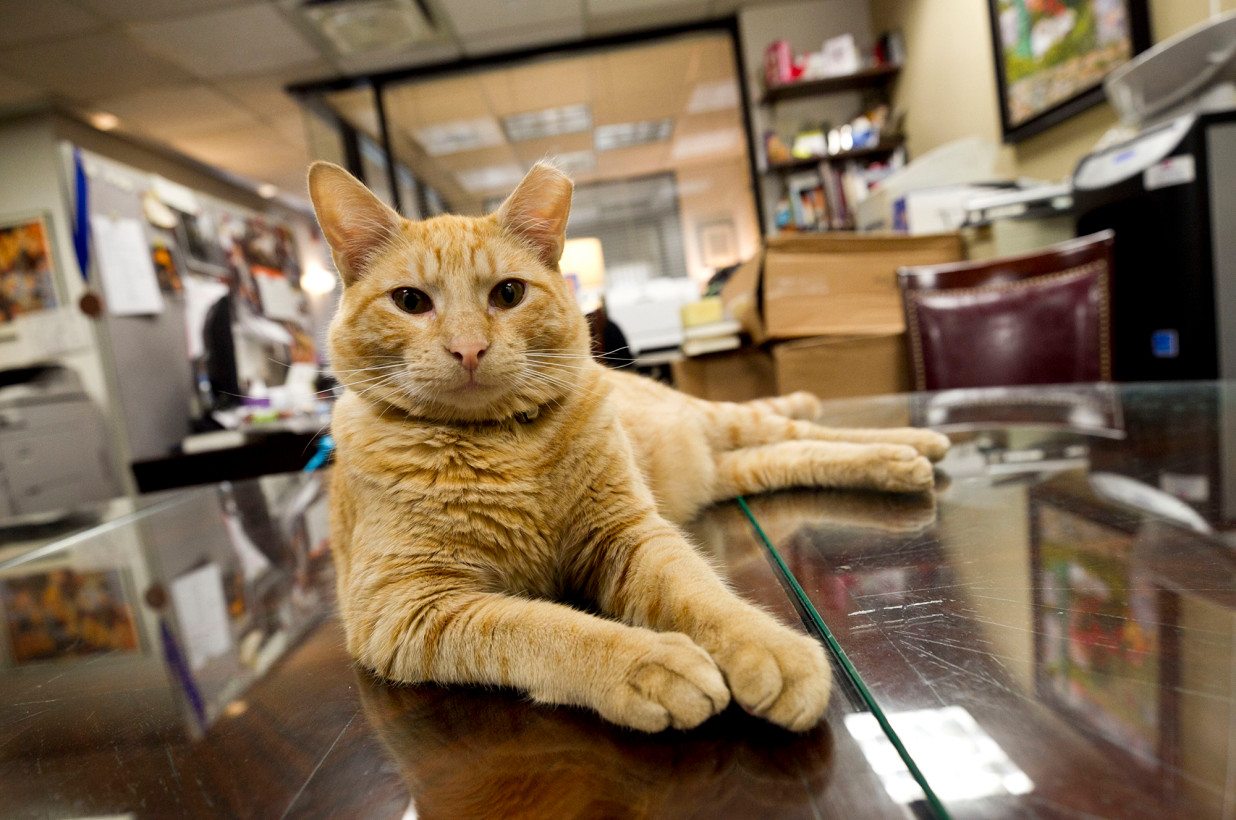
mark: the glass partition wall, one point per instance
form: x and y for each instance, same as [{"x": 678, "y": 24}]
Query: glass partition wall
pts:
[{"x": 652, "y": 132}]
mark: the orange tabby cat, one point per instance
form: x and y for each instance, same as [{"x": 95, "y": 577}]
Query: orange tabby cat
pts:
[{"x": 488, "y": 469}]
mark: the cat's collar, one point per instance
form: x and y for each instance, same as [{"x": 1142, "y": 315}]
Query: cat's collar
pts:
[{"x": 519, "y": 417}]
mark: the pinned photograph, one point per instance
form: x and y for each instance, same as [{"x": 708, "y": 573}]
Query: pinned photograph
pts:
[{"x": 26, "y": 266}]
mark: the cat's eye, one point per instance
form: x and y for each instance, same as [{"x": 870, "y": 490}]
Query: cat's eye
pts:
[
  {"x": 507, "y": 294},
  {"x": 411, "y": 300}
]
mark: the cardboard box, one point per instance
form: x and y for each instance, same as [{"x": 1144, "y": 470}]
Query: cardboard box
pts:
[
  {"x": 839, "y": 366},
  {"x": 832, "y": 283},
  {"x": 735, "y": 375}
]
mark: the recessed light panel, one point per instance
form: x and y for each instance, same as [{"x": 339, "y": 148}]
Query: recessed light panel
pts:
[
  {"x": 707, "y": 143},
  {"x": 575, "y": 162},
  {"x": 552, "y": 122},
  {"x": 490, "y": 178},
  {"x": 715, "y": 96},
  {"x": 627, "y": 134},
  {"x": 459, "y": 135}
]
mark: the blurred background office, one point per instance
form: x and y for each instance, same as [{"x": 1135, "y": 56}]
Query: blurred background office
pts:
[{"x": 749, "y": 178}]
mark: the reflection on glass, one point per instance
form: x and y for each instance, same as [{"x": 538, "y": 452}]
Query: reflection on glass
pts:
[
  {"x": 958, "y": 758},
  {"x": 1076, "y": 592}
]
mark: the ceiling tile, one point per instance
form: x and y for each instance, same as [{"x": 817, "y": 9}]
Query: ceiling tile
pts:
[
  {"x": 524, "y": 37},
  {"x": 469, "y": 17},
  {"x": 105, "y": 64},
  {"x": 230, "y": 42},
  {"x": 25, "y": 21},
  {"x": 420, "y": 104},
  {"x": 172, "y": 111},
  {"x": 537, "y": 87},
  {"x": 264, "y": 94},
  {"x": 129, "y": 11},
  {"x": 252, "y": 151},
  {"x": 15, "y": 92},
  {"x": 530, "y": 151},
  {"x": 429, "y": 54},
  {"x": 617, "y": 16}
]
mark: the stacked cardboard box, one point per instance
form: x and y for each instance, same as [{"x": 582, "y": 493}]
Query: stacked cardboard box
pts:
[{"x": 825, "y": 312}]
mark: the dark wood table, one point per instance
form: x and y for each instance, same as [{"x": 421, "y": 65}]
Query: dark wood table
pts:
[{"x": 1051, "y": 635}]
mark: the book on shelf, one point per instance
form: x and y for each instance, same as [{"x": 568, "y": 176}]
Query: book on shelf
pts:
[
  {"x": 722, "y": 327},
  {"x": 711, "y": 337},
  {"x": 825, "y": 198},
  {"x": 712, "y": 344}
]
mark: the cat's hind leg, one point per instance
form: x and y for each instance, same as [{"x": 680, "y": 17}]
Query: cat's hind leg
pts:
[
  {"x": 753, "y": 424},
  {"x": 800, "y": 405},
  {"x": 768, "y": 467}
]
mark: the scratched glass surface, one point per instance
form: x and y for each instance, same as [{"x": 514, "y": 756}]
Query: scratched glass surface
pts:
[
  {"x": 1053, "y": 634},
  {"x": 185, "y": 660}
]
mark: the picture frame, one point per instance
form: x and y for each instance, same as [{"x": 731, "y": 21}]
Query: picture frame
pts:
[
  {"x": 1052, "y": 56},
  {"x": 27, "y": 265},
  {"x": 1119, "y": 688}
]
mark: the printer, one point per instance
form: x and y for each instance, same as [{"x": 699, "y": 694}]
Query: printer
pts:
[
  {"x": 1169, "y": 193},
  {"x": 53, "y": 446}
]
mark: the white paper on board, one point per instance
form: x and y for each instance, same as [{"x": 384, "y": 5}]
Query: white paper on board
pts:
[
  {"x": 280, "y": 300},
  {"x": 130, "y": 284},
  {"x": 201, "y": 294},
  {"x": 201, "y": 612},
  {"x": 176, "y": 195}
]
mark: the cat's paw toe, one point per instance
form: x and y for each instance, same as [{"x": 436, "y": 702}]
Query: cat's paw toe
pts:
[
  {"x": 675, "y": 684},
  {"x": 904, "y": 470},
  {"x": 932, "y": 445},
  {"x": 783, "y": 677}
]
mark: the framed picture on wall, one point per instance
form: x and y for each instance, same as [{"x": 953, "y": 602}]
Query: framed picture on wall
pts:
[{"x": 1052, "y": 56}]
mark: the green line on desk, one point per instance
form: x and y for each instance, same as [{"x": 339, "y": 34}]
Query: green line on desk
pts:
[{"x": 849, "y": 669}]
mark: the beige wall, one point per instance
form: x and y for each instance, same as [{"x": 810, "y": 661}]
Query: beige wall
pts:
[{"x": 948, "y": 89}]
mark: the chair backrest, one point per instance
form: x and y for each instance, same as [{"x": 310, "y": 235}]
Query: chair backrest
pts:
[{"x": 1042, "y": 318}]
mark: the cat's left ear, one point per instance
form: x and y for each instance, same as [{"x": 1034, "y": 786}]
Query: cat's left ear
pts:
[
  {"x": 537, "y": 211},
  {"x": 357, "y": 225}
]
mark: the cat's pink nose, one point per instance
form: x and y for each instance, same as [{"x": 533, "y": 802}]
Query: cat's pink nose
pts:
[{"x": 468, "y": 353}]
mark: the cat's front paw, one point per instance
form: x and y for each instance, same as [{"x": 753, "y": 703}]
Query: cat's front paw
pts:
[
  {"x": 777, "y": 674},
  {"x": 673, "y": 683},
  {"x": 900, "y": 468},
  {"x": 929, "y": 443}
]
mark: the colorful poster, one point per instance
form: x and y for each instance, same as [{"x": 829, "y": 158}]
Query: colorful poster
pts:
[{"x": 26, "y": 284}]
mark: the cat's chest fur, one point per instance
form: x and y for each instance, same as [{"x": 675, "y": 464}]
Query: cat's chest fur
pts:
[{"x": 510, "y": 501}]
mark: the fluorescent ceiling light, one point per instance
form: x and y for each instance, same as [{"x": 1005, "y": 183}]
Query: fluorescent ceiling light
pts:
[
  {"x": 459, "y": 135},
  {"x": 267, "y": 191},
  {"x": 706, "y": 143},
  {"x": 715, "y": 96},
  {"x": 575, "y": 162},
  {"x": 490, "y": 178},
  {"x": 627, "y": 134},
  {"x": 567, "y": 119},
  {"x": 369, "y": 26}
]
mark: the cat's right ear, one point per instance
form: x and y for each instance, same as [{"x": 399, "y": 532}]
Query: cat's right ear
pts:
[{"x": 356, "y": 224}]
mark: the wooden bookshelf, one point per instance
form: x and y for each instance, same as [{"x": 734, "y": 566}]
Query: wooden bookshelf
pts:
[
  {"x": 867, "y": 78},
  {"x": 885, "y": 146}
]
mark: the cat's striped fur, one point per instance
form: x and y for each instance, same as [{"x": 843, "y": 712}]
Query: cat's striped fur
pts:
[{"x": 489, "y": 471}]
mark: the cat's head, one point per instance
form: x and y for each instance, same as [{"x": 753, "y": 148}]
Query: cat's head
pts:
[{"x": 453, "y": 318}]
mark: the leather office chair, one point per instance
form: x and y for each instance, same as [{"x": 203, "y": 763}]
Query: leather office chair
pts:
[{"x": 1043, "y": 318}]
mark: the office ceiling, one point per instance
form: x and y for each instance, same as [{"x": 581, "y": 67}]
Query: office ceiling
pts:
[
  {"x": 206, "y": 77},
  {"x": 672, "y": 105}
]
